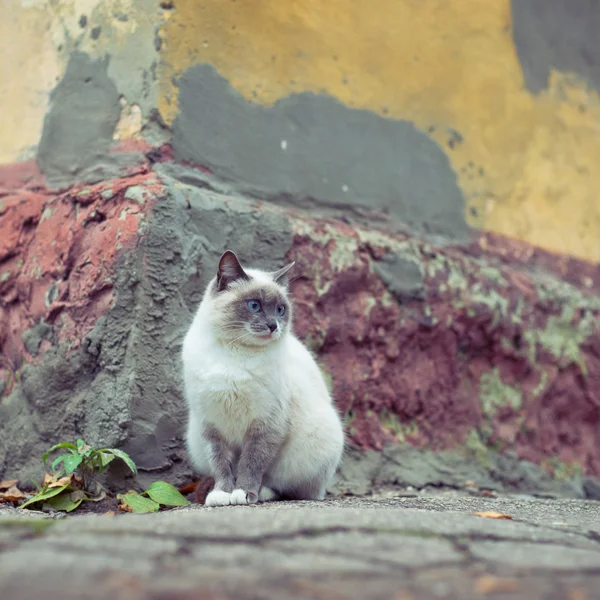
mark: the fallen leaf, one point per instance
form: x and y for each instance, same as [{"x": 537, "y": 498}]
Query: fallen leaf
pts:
[
  {"x": 577, "y": 594},
  {"x": 138, "y": 503},
  {"x": 52, "y": 480},
  {"x": 65, "y": 501},
  {"x": 109, "y": 513},
  {"x": 12, "y": 494},
  {"x": 124, "y": 507},
  {"x": 488, "y": 584},
  {"x": 164, "y": 493},
  {"x": 95, "y": 491},
  {"x": 188, "y": 489},
  {"x": 78, "y": 495},
  {"x": 490, "y": 514},
  {"x": 7, "y": 483},
  {"x": 44, "y": 495}
]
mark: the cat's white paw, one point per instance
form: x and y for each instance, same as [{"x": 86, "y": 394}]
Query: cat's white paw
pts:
[
  {"x": 238, "y": 497},
  {"x": 218, "y": 498}
]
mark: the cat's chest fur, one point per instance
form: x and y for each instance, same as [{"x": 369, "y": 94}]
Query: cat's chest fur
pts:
[{"x": 230, "y": 392}]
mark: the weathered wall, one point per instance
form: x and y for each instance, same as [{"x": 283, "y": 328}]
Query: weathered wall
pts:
[
  {"x": 444, "y": 113},
  {"x": 432, "y": 168}
]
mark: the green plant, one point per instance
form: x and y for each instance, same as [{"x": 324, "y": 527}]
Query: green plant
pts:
[
  {"x": 158, "y": 494},
  {"x": 66, "y": 488},
  {"x": 73, "y": 481},
  {"x": 88, "y": 460}
]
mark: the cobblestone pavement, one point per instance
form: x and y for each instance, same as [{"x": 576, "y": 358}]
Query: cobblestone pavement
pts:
[{"x": 387, "y": 548}]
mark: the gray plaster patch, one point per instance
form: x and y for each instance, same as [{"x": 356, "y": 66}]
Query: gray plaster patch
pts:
[
  {"x": 502, "y": 472},
  {"x": 32, "y": 338},
  {"x": 557, "y": 34},
  {"x": 592, "y": 488},
  {"x": 312, "y": 149},
  {"x": 403, "y": 277},
  {"x": 122, "y": 387},
  {"x": 78, "y": 129},
  {"x": 362, "y": 472}
]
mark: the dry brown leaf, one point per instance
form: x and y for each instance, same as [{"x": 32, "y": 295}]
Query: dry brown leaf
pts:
[
  {"x": 60, "y": 482},
  {"x": 490, "y": 514},
  {"x": 488, "y": 584},
  {"x": 7, "y": 483},
  {"x": 577, "y": 594},
  {"x": 12, "y": 494},
  {"x": 124, "y": 507},
  {"x": 48, "y": 478},
  {"x": 109, "y": 513}
]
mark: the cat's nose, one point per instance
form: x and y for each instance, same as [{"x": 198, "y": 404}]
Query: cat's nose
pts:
[{"x": 272, "y": 327}]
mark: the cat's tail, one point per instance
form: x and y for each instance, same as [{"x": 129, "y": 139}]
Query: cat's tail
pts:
[
  {"x": 266, "y": 494},
  {"x": 204, "y": 486}
]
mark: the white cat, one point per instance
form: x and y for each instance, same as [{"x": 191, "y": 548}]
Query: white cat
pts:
[{"x": 261, "y": 420}]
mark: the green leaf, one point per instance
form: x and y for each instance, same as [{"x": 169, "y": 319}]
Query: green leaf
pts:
[
  {"x": 83, "y": 448},
  {"x": 45, "y": 494},
  {"x": 105, "y": 458},
  {"x": 66, "y": 501},
  {"x": 122, "y": 455},
  {"x": 164, "y": 493},
  {"x": 70, "y": 462},
  {"x": 57, "y": 447},
  {"x": 137, "y": 503}
]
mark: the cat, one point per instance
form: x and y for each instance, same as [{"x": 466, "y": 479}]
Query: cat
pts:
[{"x": 261, "y": 422}]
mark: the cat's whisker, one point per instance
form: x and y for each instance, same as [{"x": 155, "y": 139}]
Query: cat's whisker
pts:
[{"x": 237, "y": 339}]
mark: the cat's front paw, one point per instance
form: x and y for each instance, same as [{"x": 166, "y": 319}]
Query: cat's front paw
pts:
[
  {"x": 240, "y": 496},
  {"x": 218, "y": 498}
]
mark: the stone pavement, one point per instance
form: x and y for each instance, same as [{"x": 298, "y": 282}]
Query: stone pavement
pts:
[{"x": 398, "y": 548}]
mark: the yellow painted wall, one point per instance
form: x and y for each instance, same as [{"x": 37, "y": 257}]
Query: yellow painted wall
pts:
[
  {"x": 38, "y": 37},
  {"x": 448, "y": 63},
  {"x": 441, "y": 63}
]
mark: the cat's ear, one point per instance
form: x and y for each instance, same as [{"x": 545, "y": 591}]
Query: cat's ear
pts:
[
  {"x": 229, "y": 270},
  {"x": 281, "y": 277}
]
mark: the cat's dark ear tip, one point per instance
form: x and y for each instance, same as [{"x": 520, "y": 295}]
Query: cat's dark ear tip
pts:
[{"x": 228, "y": 255}]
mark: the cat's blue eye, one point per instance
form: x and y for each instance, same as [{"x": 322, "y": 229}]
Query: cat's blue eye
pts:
[
  {"x": 280, "y": 310},
  {"x": 254, "y": 305}
]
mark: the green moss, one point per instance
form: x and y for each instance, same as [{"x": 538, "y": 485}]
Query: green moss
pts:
[
  {"x": 496, "y": 303},
  {"x": 370, "y": 304},
  {"x": 564, "y": 333},
  {"x": 562, "y": 470},
  {"x": 476, "y": 446},
  {"x": 562, "y": 337},
  {"x": 392, "y": 423},
  {"x": 494, "y": 275},
  {"x": 541, "y": 386},
  {"x": 315, "y": 339},
  {"x": 494, "y": 394}
]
